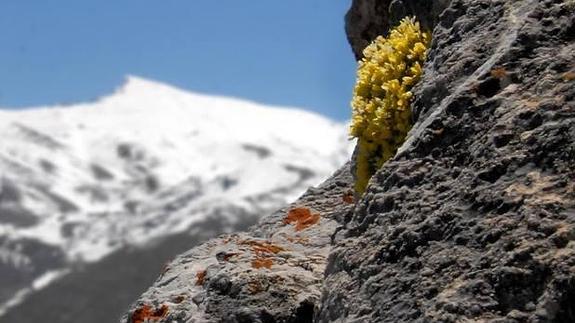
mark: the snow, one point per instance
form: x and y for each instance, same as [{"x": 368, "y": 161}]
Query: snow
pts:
[
  {"x": 46, "y": 278},
  {"x": 39, "y": 283},
  {"x": 150, "y": 133}
]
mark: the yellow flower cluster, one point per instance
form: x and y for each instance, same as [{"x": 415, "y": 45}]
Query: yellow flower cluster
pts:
[{"x": 381, "y": 99}]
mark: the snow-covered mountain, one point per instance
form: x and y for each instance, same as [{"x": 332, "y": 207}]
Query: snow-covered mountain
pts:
[{"x": 79, "y": 182}]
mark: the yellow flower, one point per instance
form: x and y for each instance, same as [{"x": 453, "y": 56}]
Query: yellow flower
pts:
[{"x": 381, "y": 116}]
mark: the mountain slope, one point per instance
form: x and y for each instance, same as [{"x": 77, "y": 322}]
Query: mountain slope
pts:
[
  {"x": 473, "y": 220},
  {"x": 78, "y": 183}
]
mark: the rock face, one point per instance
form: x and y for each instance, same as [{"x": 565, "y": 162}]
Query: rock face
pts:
[
  {"x": 472, "y": 220},
  {"x": 367, "y": 19},
  {"x": 273, "y": 273}
]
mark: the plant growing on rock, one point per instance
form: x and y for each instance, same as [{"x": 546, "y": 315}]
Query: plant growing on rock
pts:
[{"x": 381, "y": 109}]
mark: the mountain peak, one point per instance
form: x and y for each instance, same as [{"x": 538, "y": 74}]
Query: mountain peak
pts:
[{"x": 138, "y": 85}]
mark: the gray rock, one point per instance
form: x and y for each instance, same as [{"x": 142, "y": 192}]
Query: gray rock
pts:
[
  {"x": 272, "y": 273},
  {"x": 472, "y": 220},
  {"x": 367, "y": 19}
]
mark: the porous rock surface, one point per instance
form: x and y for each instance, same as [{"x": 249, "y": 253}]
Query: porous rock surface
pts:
[
  {"x": 273, "y": 273},
  {"x": 472, "y": 221},
  {"x": 474, "y": 218}
]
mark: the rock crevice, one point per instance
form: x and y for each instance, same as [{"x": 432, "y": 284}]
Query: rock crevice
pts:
[{"x": 462, "y": 224}]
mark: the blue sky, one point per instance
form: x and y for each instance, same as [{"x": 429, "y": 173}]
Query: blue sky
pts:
[{"x": 272, "y": 51}]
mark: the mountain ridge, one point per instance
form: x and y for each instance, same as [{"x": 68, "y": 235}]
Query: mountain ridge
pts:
[
  {"x": 145, "y": 163},
  {"x": 136, "y": 85}
]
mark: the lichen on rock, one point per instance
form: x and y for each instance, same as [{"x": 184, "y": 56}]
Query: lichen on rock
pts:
[
  {"x": 472, "y": 220},
  {"x": 273, "y": 273}
]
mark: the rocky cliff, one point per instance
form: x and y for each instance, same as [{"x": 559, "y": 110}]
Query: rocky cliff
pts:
[{"x": 472, "y": 220}]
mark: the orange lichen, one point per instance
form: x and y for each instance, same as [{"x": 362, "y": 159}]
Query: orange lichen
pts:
[
  {"x": 200, "y": 277},
  {"x": 300, "y": 240},
  {"x": 499, "y": 73},
  {"x": 255, "y": 287},
  {"x": 569, "y": 76},
  {"x": 261, "y": 247},
  {"x": 302, "y": 217},
  {"x": 146, "y": 313},
  {"x": 348, "y": 197},
  {"x": 540, "y": 190},
  {"x": 262, "y": 262}
]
